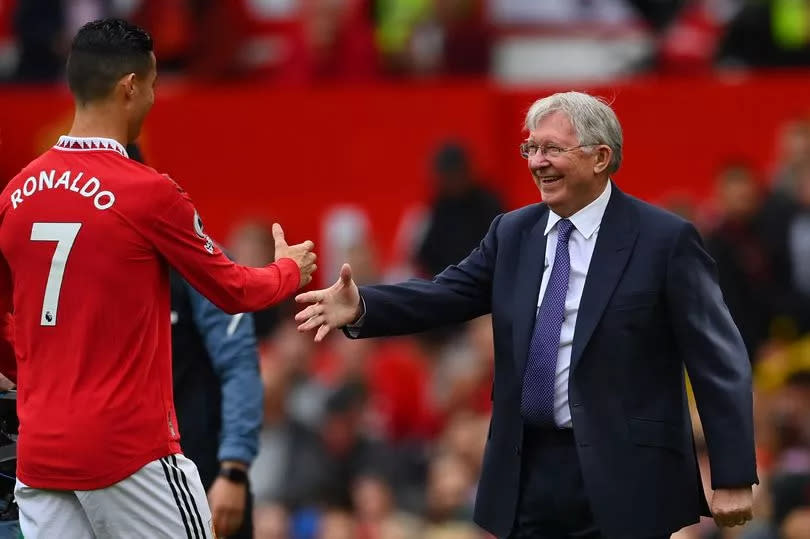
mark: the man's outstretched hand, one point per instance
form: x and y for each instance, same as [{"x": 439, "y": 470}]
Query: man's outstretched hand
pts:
[
  {"x": 332, "y": 307},
  {"x": 301, "y": 253}
]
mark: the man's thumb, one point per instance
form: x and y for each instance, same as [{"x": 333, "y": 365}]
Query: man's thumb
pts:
[
  {"x": 278, "y": 234},
  {"x": 346, "y": 273}
]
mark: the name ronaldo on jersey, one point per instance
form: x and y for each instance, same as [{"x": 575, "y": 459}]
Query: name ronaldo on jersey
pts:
[{"x": 89, "y": 188}]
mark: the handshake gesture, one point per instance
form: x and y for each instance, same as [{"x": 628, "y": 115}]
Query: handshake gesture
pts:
[
  {"x": 300, "y": 252},
  {"x": 330, "y": 308}
]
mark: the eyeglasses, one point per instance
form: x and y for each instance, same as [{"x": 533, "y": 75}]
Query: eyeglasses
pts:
[{"x": 530, "y": 149}]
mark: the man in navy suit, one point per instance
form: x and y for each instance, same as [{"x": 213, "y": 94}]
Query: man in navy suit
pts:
[{"x": 598, "y": 302}]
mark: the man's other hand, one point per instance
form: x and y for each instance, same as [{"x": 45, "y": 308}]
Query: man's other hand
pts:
[
  {"x": 732, "y": 506},
  {"x": 227, "y": 500}
]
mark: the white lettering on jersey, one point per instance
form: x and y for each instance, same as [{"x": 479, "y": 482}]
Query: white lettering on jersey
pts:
[
  {"x": 16, "y": 198},
  {"x": 33, "y": 183},
  {"x": 75, "y": 181},
  {"x": 45, "y": 179},
  {"x": 91, "y": 188}
]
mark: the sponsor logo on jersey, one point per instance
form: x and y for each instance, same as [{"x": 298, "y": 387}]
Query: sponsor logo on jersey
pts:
[{"x": 200, "y": 231}]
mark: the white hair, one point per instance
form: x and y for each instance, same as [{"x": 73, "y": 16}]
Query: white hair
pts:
[{"x": 593, "y": 120}]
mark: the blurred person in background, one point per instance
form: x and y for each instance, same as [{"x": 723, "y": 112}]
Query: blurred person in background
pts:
[
  {"x": 289, "y": 467},
  {"x": 450, "y": 490},
  {"x": 337, "y": 524},
  {"x": 742, "y": 258},
  {"x": 218, "y": 398},
  {"x": 272, "y": 522},
  {"x": 41, "y": 35},
  {"x": 590, "y": 433},
  {"x": 767, "y": 33},
  {"x": 333, "y": 41},
  {"x": 461, "y": 211},
  {"x": 375, "y": 507}
]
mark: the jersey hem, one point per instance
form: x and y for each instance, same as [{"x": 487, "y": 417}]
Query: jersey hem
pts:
[{"x": 99, "y": 482}]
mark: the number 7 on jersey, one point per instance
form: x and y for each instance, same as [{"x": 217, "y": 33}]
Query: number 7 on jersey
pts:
[{"x": 64, "y": 234}]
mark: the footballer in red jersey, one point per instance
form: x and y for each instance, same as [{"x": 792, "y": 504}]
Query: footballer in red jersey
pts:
[{"x": 86, "y": 239}]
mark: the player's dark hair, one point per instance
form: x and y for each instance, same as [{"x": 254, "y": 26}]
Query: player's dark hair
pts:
[{"x": 104, "y": 51}]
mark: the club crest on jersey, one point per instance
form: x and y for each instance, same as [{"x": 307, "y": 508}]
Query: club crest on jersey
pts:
[{"x": 200, "y": 231}]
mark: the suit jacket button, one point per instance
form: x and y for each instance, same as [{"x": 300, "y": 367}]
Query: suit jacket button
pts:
[{"x": 517, "y": 449}]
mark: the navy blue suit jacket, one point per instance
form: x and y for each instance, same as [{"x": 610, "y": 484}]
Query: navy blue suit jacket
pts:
[{"x": 651, "y": 305}]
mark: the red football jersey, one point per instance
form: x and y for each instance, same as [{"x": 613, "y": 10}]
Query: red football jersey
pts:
[{"x": 86, "y": 237}]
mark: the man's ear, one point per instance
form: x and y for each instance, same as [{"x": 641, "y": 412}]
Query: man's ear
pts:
[
  {"x": 603, "y": 155},
  {"x": 127, "y": 85}
]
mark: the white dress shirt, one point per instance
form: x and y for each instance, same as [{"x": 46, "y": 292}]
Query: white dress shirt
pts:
[{"x": 580, "y": 250}]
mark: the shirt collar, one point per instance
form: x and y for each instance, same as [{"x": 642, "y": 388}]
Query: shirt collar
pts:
[
  {"x": 588, "y": 219},
  {"x": 66, "y": 142}
]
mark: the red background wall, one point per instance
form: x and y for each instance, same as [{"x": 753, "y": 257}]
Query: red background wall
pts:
[{"x": 289, "y": 154}]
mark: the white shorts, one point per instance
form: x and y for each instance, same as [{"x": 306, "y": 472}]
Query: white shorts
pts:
[{"x": 164, "y": 499}]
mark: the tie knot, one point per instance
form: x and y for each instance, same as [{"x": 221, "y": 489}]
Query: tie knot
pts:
[{"x": 564, "y": 228}]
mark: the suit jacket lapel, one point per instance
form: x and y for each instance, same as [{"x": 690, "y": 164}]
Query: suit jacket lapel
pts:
[
  {"x": 528, "y": 277},
  {"x": 617, "y": 235}
]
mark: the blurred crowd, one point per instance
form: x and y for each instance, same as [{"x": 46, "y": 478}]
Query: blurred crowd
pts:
[
  {"x": 305, "y": 41},
  {"x": 384, "y": 438}
]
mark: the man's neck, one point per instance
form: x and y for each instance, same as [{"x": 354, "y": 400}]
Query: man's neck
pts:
[{"x": 98, "y": 120}]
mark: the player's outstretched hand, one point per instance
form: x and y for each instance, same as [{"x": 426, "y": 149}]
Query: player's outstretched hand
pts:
[
  {"x": 332, "y": 307},
  {"x": 301, "y": 253}
]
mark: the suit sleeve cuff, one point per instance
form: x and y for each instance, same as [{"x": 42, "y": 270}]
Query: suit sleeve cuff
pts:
[{"x": 353, "y": 330}]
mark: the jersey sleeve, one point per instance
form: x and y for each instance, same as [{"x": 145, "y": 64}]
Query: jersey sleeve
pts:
[{"x": 175, "y": 229}]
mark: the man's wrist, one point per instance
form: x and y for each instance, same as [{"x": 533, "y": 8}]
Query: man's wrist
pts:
[{"x": 234, "y": 471}]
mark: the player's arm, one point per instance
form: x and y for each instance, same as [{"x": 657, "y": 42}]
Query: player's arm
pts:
[
  {"x": 231, "y": 344},
  {"x": 175, "y": 229}
]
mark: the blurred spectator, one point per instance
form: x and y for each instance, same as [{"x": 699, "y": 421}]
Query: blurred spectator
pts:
[
  {"x": 396, "y": 21},
  {"x": 350, "y": 453},
  {"x": 768, "y": 33},
  {"x": 376, "y": 511},
  {"x": 797, "y": 524},
  {"x": 337, "y": 525},
  {"x": 333, "y": 40},
  {"x": 453, "y": 38},
  {"x": 781, "y": 218},
  {"x": 40, "y": 29},
  {"x": 289, "y": 465},
  {"x": 271, "y": 522},
  {"x": 346, "y": 237},
  {"x": 251, "y": 244},
  {"x": 689, "y": 44},
  {"x": 742, "y": 260},
  {"x": 461, "y": 380},
  {"x": 461, "y": 212},
  {"x": 450, "y": 492}
]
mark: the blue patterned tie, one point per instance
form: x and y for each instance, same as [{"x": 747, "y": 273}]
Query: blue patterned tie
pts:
[{"x": 537, "y": 399}]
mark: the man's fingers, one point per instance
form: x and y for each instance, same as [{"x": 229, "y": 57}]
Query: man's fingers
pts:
[
  {"x": 312, "y": 323},
  {"x": 313, "y": 296},
  {"x": 278, "y": 235},
  {"x": 322, "y": 331},
  {"x": 309, "y": 312}
]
